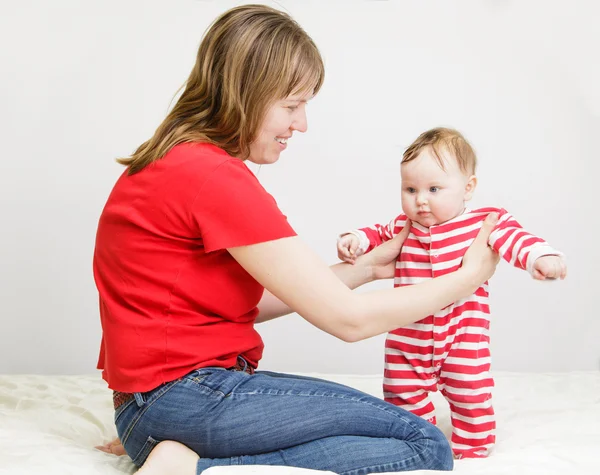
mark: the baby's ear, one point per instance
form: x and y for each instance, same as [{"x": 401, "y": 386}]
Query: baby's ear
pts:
[{"x": 470, "y": 187}]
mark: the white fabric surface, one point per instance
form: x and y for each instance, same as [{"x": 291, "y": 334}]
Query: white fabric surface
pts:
[{"x": 548, "y": 424}]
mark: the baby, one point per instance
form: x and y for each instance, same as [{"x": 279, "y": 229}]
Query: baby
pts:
[{"x": 448, "y": 350}]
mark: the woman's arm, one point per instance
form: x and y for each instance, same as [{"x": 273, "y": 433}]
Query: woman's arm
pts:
[
  {"x": 353, "y": 276},
  {"x": 379, "y": 265},
  {"x": 294, "y": 274}
]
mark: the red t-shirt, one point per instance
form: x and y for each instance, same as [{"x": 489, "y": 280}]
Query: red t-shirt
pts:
[{"x": 172, "y": 299}]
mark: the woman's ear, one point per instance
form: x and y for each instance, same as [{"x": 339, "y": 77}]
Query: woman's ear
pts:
[{"x": 470, "y": 187}]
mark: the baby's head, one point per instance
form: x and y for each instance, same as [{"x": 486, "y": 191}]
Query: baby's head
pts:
[{"x": 438, "y": 176}]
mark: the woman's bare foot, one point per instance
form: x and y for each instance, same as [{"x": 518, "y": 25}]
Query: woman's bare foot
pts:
[
  {"x": 114, "y": 447},
  {"x": 170, "y": 458}
]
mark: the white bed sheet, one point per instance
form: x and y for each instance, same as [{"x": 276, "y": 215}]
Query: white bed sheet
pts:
[{"x": 548, "y": 424}]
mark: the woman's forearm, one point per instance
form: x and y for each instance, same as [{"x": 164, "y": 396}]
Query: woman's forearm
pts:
[
  {"x": 270, "y": 307},
  {"x": 381, "y": 310}
]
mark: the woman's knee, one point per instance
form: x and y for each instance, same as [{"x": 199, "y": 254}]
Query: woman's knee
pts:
[
  {"x": 439, "y": 450},
  {"x": 428, "y": 441}
]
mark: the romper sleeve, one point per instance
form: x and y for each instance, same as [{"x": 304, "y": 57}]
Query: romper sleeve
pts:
[{"x": 517, "y": 246}]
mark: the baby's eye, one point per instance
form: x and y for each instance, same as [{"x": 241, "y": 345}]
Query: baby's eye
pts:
[
  {"x": 411, "y": 190},
  {"x": 434, "y": 189}
]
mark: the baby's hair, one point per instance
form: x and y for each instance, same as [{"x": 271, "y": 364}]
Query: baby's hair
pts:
[{"x": 442, "y": 138}]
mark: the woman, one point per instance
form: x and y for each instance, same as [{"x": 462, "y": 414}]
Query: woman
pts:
[{"x": 186, "y": 246}]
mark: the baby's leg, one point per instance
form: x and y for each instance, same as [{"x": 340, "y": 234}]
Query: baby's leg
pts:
[
  {"x": 409, "y": 376},
  {"x": 466, "y": 383},
  {"x": 411, "y": 398}
]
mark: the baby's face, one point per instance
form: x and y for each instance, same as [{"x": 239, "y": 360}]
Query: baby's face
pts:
[{"x": 431, "y": 195}]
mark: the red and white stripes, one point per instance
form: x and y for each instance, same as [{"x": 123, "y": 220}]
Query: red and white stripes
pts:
[{"x": 449, "y": 350}]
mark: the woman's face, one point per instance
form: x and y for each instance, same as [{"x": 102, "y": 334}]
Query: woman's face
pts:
[{"x": 282, "y": 119}]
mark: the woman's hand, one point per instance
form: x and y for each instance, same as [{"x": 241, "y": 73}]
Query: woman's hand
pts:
[
  {"x": 382, "y": 260},
  {"x": 480, "y": 260},
  {"x": 114, "y": 447}
]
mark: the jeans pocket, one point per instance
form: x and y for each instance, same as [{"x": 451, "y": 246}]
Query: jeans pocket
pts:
[
  {"x": 128, "y": 419},
  {"x": 142, "y": 455}
]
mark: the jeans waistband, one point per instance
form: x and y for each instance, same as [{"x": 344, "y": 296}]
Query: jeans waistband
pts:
[{"x": 120, "y": 398}]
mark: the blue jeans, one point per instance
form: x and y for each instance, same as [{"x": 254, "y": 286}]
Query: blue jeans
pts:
[{"x": 234, "y": 418}]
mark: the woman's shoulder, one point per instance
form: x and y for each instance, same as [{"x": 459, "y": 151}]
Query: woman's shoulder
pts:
[
  {"x": 193, "y": 163},
  {"x": 205, "y": 160},
  {"x": 198, "y": 155}
]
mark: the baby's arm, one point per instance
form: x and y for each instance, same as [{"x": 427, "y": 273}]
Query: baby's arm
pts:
[
  {"x": 356, "y": 242},
  {"x": 526, "y": 251}
]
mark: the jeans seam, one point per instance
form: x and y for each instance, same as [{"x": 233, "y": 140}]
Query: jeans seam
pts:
[
  {"x": 334, "y": 395},
  {"x": 389, "y": 467}
]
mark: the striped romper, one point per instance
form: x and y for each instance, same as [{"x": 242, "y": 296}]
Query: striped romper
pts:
[{"x": 449, "y": 350}]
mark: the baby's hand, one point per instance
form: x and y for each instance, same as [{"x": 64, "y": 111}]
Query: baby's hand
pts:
[
  {"x": 347, "y": 247},
  {"x": 549, "y": 267}
]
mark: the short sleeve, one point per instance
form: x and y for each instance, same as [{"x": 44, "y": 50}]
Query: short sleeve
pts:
[{"x": 233, "y": 209}]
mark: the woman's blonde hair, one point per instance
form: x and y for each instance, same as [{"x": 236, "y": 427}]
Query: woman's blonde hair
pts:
[
  {"x": 250, "y": 57},
  {"x": 449, "y": 139}
]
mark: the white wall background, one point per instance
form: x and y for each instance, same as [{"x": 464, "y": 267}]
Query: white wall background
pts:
[{"x": 85, "y": 82}]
